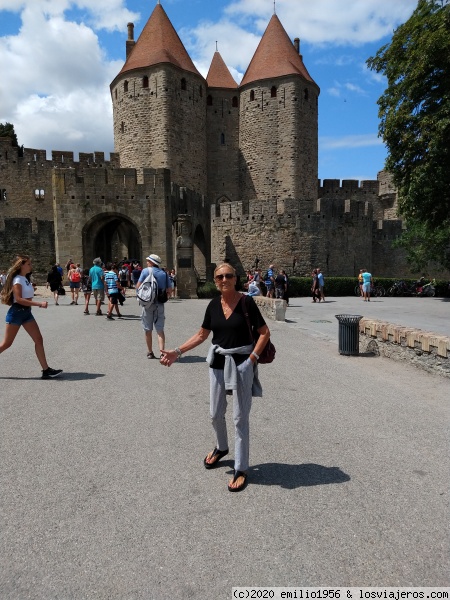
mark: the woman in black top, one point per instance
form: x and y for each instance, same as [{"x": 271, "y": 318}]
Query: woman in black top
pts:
[
  {"x": 54, "y": 280},
  {"x": 234, "y": 371}
]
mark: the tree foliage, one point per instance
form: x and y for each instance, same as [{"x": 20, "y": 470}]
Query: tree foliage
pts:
[
  {"x": 414, "y": 113},
  {"x": 7, "y": 130}
]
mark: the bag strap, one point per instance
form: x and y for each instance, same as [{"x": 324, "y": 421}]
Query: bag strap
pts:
[{"x": 247, "y": 318}]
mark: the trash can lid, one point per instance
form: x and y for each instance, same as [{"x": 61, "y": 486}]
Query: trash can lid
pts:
[{"x": 348, "y": 319}]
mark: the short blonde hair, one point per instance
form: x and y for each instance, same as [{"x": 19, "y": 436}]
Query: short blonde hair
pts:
[{"x": 225, "y": 264}]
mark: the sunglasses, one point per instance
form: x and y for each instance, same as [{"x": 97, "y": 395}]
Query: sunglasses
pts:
[{"x": 224, "y": 276}]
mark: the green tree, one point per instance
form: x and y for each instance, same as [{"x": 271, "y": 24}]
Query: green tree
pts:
[
  {"x": 414, "y": 113},
  {"x": 7, "y": 130}
]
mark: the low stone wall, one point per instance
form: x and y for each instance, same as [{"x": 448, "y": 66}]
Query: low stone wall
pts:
[
  {"x": 424, "y": 349},
  {"x": 270, "y": 308}
]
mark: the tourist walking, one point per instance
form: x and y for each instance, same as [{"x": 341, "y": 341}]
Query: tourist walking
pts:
[
  {"x": 113, "y": 288},
  {"x": 173, "y": 281},
  {"x": 86, "y": 288},
  {"x": 18, "y": 294},
  {"x": 280, "y": 285},
  {"x": 97, "y": 277},
  {"x": 153, "y": 316},
  {"x": 321, "y": 284},
  {"x": 269, "y": 282},
  {"x": 74, "y": 283},
  {"x": 367, "y": 281},
  {"x": 54, "y": 280},
  {"x": 233, "y": 368},
  {"x": 286, "y": 291},
  {"x": 124, "y": 276},
  {"x": 315, "y": 286}
]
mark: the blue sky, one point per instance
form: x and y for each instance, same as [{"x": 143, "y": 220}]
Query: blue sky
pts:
[{"x": 58, "y": 58}]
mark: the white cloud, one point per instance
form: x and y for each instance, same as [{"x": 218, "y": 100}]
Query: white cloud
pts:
[
  {"x": 102, "y": 14},
  {"x": 235, "y": 45},
  {"x": 328, "y": 21},
  {"x": 57, "y": 78},
  {"x": 350, "y": 141}
]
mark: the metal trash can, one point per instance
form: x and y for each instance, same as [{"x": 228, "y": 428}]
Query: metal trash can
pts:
[{"x": 349, "y": 334}]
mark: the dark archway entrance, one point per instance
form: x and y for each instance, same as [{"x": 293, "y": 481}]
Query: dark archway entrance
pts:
[
  {"x": 111, "y": 237},
  {"x": 200, "y": 253}
]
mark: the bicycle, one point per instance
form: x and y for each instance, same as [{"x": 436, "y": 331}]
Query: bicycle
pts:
[{"x": 376, "y": 291}]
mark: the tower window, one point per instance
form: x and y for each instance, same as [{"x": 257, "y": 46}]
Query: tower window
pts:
[
  {"x": 222, "y": 139},
  {"x": 306, "y": 94},
  {"x": 183, "y": 83},
  {"x": 39, "y": 194},
  {"x": 3, "y": 195},
  {"x": 125, "y": 86},
  {"x": 115, "y": 93},
  {"x": 273, "y": 92},
  {"x": 122, "y": 127},
  {"x": 234, "y": 102},
  {"x": 252, "y": 95},
  {"x": 200, "y": 91},
  {"x": 209, "y": 101},
  {"x": 145, "y": 82}
]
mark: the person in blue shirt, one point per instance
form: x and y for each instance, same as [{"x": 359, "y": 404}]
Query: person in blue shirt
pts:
[
  {"x": 112, "y": 287},
  {"x": 153, "y": 315},
  {"x": 321, "y": 283},
  {"x": 269, "y": 282},
  {"x": 367, "y": 280},
  {"x": 98, "y": 283}
]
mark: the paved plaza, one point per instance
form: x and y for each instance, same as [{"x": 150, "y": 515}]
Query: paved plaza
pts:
[{"x": 105, "y": 497}]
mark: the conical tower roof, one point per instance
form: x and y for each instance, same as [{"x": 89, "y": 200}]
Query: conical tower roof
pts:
[
  {"x": 275, "y": 56},
  {"x": 158, "y": 43},
  {"x": 219, "y": 75}
]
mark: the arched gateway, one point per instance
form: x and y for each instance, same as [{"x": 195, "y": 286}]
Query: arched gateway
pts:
[{"x": 111, "y": 236}]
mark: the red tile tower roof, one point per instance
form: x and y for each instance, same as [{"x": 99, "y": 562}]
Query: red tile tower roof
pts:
[
  {"x": 275, "y": 56},
  {"x": 219, "y": 75},
  {"x": 158, "y": 43}
]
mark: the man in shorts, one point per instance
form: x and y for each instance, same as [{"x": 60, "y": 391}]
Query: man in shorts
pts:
[
  {"x": 98, "y": 283},
  {"x": 153, "y": 315}
]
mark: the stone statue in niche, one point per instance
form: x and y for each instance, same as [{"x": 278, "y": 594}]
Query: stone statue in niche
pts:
[{"x": 184, "y": 239}]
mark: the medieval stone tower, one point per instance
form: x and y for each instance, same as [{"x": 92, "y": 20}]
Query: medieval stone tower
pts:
[
  {"x": 159, "y": 105},
  {"x": 203, "y": 170}
]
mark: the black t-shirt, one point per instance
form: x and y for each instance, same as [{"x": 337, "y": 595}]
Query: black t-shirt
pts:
[
  {"x": 280, "y": 281},
  {"x": 231, "y": 332}
]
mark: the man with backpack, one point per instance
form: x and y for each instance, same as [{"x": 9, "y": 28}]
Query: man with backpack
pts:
[{"x": 152, "y": 291}]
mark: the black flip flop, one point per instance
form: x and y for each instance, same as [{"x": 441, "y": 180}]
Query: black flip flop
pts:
[
  {"x": 238, "y": 474},
  {"x": 219, "y": 453}
]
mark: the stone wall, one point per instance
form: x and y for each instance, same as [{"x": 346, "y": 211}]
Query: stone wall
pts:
[
  {"x": 423, "y": 349},
  {"x": 332, "y": 234}
]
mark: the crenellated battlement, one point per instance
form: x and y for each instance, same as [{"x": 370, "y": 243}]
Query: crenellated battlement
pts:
[
  {"x": 10, "y": 154},
  {"x": 348, "y": 186}
]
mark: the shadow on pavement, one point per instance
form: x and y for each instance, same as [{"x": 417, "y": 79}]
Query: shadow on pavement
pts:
[
  {"x": 294, "y": 476},
  {"x": 79, "y": 376},
  {"x": 193, "y": 359},
  {"x": 63, "y": 377}
]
